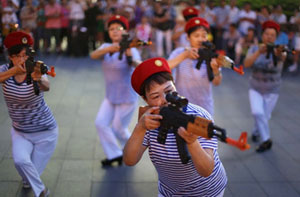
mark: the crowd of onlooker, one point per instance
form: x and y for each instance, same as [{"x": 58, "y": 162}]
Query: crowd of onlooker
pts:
[{"x": 75, "y": 27}]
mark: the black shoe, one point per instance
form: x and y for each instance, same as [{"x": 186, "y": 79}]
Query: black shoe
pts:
[
  {"x": 26, "y": 185},
  {"x": 108, "y": 162},
  {"x": 264, "y": 146},
  {"x": 255, "y": 138},
  {"x": 45, "y": 193}
]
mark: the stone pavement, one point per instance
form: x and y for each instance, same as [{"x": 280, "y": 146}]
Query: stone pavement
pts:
[{"x": 75, "y": 170}]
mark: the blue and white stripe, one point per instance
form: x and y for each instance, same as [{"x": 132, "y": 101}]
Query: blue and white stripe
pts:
[
  {"x": 29, "y": 112},
  {"x": 177, "y": 179}
]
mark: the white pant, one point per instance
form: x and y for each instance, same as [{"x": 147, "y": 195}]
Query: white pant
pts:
[
  {"x": 112, "y": 124},
  {"x": 160, "y": 35},
  {"x": 31, "y": 153},
  {"x": 262, "y": 106}
]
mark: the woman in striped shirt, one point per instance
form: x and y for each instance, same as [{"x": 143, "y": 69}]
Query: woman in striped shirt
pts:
[
  {"x": 204, "y": 174},
  {"x": 34, "y": 130}
]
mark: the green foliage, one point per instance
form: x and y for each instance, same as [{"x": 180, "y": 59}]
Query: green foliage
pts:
[{"x": 288, "y": 6}]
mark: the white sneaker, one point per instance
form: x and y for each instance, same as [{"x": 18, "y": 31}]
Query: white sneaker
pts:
[{"x": 293, "y": 68}]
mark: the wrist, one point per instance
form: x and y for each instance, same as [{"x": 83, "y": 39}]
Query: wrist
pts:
[{"x": 217, "y": 73}]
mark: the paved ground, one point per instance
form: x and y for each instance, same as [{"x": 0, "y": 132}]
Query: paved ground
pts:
[{"x": 75, "y": 170}]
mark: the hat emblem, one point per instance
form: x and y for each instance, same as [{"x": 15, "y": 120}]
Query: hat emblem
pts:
[
  {"x": 118, "y": 16},
  {"x": 24, "y": 40},
  {"x": 190, "y": 10},
  {"x": 197, "y": 21},
  {"x": 158, "y": 63}
]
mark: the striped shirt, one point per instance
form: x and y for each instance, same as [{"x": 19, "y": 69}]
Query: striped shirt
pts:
[
  {"x": 177, "y": 179},
  {"x": 29, "y": 112}
]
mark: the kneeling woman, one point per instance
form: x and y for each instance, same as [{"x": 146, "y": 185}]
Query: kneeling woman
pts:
[
  {"x": 204, "y": 174},
  {"x": 34, "y": 130}
]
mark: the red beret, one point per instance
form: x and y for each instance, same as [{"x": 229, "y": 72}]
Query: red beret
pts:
[
  {"x": 271, "y": 24},
  {"x": 120, "y": 19},
  {"x": 190, "y": 11},
  {"x": 196, "y": 21},
  {"x": 17, "y": 38},
  {"x": 146, "y": 69}
]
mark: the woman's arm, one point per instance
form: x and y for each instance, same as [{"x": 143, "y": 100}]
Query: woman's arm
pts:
[
  {"x": 98, "y": 53},
  {"x": 134, "y": 148},
  {"x": 216, "y": 71},
  {"x": 251, "y": 58},
  {"x": 43, "y": 82},
  {"x": 11, "y": 72},
  {"x": 203, "y": 159},
  {"x": 191, "y": 53}
]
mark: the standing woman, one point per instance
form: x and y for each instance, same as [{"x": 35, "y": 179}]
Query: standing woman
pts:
[
  {"x": 183, "y": 61},
  {"x": 34, "y": 130},
  {"x": 265, "y": 81},
  {"x": 120, "y": 101}
]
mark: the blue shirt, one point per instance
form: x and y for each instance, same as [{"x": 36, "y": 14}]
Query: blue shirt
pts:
[
  {"x": 29, "y": 112},
  {"x": 177, "y": 179},
  {"x": 193, "y": 83},
  {"x": 117, "y": 76}
]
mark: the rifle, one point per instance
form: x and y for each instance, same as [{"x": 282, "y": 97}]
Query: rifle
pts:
[
  {"x": 207, "y": 52},
  {"x": 30, "y": 64},
  {"x": 270, "y": 50},
  {"x": 126, "y": 43},
  {"x": 174, "y": 117}
]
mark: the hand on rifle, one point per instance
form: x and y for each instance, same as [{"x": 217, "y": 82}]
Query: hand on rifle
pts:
[
  {"x": 215, "y": 64},
  {"x": 279, "y": 52},
  {"x": 36, "y": 74},
  {"x": 191, "y": 53},
  {"x": 115, "y": 47},
  {"x": 150, "y": 119},
  {"x": 20, "y": 69},
  {"x": 262, "y": 48},
  {"x": 128, "y": 52},
  {"x": 188, "y": 137}
]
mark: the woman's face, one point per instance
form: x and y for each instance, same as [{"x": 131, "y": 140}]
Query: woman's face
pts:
[
  {"x": 156, "y": 96},
  {"x": 197, "y": 37},
  {"x": 19, "y": 59},
  {"x": 269, "y": 35},
  {"x": 115, "y": 31}
]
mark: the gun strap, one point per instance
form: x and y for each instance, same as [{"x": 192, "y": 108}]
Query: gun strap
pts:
[
  {"x": 209, "y": 71},
  {"x": 36, "y": 88}
]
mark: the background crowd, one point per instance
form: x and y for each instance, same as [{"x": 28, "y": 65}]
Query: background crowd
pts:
[{"x": 76, "y": 27}]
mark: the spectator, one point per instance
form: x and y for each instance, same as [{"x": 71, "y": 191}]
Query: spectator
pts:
[
  {"x": 243, "y": 45},
  {"x": 53, "y": 24},
  {"x": 164, "y": 24},
  {"x": 40, "y": 30},
  {"x": 144, "y": 33},
  {"x": 231, "y": 38},
  {"x": 278, "y": 16},
  {"x": 296, "y": 21},
  {"x": 28, "y": 18},
  {"x": 222, "y": 18},
  {"x": 247, "y": 19}
]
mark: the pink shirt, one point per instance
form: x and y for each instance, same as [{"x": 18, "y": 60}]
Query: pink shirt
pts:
[{"x": 52, "y": 11}]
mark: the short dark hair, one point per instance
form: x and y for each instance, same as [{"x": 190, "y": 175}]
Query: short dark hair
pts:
[
  {"x": 188, "y": 17},
  {"x": 191, "y": 30},
  {"x": 16, "y": 49},
  {"x": 158, "y": 78},
  {"x": 116, "y": 21}
]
